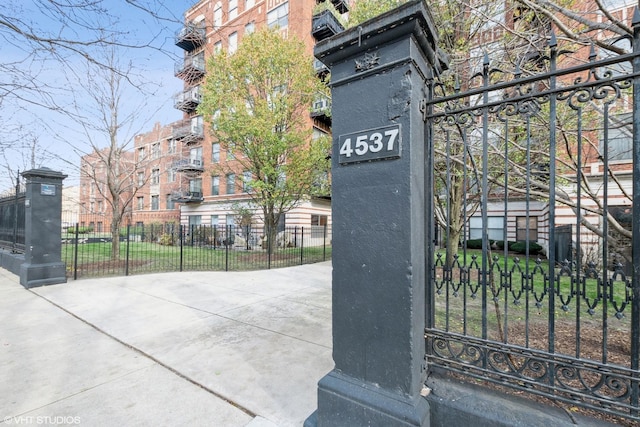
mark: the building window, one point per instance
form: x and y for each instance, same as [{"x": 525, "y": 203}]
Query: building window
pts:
[
  {"x": 140, "y": 179},
  {"x": 620, "y": 138},
  {"x": 250, "y": 27},
  {"x": 140, "y": 203},
  {"x": 495, "y": 227},
  {"x": 248, "y": 4},
  {"x": 171, "y": 204},
  {"x": 195, "y": 186},
  {"x": 217, "y": 15},
  {"x": 230, "y": 155},
  {"x": 521, "y": 228},
  {"x": 279, "y": 17},
  {"x": 217, "y": 47},
  {"x": 171, "y": 175},
  {"x": 100, "y": 206},
  {"x": 231, "y": 183},
  {"x": 246, "y": 181},
  {"x": 319, "y": 220},
  {"x": 215, "y": 220},
  {"x": 99, "y": 227},
  {"x": 155, "y": 203},
  {"x": 233, "y": 8},
  {"x": 155, "y": 150},
  {"x": 233, "y": 42},
  {"x": 171, "y": 146},
  {"x": 141, "y": 154},
  {"x": 215, "y": 185},
  {"x": 215, "y": 152},
  {"x": 195, "y": 220},
  {"x": 155, "y": 176}
]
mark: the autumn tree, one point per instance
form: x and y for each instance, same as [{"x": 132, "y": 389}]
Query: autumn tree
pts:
[{"x": 257, "y": 101}]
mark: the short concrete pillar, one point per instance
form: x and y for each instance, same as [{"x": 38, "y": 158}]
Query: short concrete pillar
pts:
[
  {"x": 43, "y": 243},
  {"x": 380, "y": 219}
]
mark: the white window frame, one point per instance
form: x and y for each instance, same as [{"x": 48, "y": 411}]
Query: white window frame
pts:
[{"x": 279, "y": 16}]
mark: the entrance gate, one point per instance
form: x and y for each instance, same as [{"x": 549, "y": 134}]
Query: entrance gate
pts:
[
  {"x": 496, "y": 168},
  {"x": 515, "y": 158}
]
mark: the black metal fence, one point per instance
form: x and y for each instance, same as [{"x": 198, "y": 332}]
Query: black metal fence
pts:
[
  {"x": 12, "y": 222},
  {"x": 526, "y": 169},
  {"x": 173, "y": 247}
]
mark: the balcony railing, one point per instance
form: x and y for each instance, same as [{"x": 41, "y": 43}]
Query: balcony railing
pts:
[
  {"x": 189, "y": 165},
  {"x": 190, "y": 36},
  {"x": 187, "y": 197},
  {"x": 321, "y": 109},
  {"x": 188, "y": 100},
  {"x": 188, "y": 133},
  {"x": 341, "y": 5},
  {"x": 325, "y": 25},
  {"x": 191, "y": 69},
  {"x": 320, "y": 67}
]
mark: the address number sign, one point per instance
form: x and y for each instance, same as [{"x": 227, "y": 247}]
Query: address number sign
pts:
[{"x": 373, "y": 144}]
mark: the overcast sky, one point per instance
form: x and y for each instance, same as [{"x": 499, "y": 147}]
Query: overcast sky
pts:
[{"x": 60, "y": 142}]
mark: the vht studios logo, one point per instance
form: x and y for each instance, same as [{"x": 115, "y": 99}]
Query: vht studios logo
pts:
[{"x": 42, "y": 420}]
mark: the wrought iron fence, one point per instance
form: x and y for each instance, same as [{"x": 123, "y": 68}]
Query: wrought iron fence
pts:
[
  {"x": 173, "y": 247},
  {"x": 12, "y": 221},
  {"x": 534, "y": 278}
]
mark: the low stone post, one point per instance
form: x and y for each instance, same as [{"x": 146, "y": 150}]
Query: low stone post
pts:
[
  {"x": 380, "y": 220},
  {"x": 43, "y": 243}
]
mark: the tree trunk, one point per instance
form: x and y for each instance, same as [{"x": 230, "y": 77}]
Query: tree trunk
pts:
[{"x": 116, "y": 219}]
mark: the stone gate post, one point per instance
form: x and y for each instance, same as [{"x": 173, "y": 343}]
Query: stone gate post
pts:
[
  {"x": 380, "y": 220},
  {"x": 42, "y": 241}
]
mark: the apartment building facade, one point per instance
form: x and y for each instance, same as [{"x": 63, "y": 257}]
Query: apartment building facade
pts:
[
  {"x": 174, "y": 179},
  {"x": 206, "y": 197},
  {"x": 146, "y": 182}
]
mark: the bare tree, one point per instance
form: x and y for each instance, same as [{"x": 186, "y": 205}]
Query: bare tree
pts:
[
  {"x": 49, "y": 33},
  {"x": 114, "y": 171},
  {"x": 515, "y": 37}
]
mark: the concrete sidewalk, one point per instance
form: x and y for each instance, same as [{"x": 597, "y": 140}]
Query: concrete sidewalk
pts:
[{"x": 193, "y": 348}]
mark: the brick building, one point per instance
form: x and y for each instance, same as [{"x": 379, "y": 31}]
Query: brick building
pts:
[
  {"x": 173, "y": 181},
  {"x": 210, "y": 25}
]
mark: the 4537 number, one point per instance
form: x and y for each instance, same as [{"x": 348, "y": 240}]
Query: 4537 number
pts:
[{"x": 372, "y": 144}]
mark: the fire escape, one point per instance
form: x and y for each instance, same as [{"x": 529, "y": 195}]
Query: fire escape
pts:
[
  {"x": 325, "y": 23},
  {"x": 190, "y": 131}
]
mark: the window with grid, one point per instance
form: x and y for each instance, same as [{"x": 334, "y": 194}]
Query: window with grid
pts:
[
  {"x": 217, "y": 15},
  {"x": 215, "y": 185},
  {"x": 279, "y": 17},
  {"x": 231, "y": 183},
  {"x": 233, "y": 8},
  {"x": 523, "y": 224}
]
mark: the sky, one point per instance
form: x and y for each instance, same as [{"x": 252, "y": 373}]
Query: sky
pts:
[{"x": 49, "y": 136}]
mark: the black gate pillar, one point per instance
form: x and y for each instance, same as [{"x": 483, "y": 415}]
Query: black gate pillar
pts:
[
  {"x": 379, "y": 178},
  {"x": 42, "y": 241}
]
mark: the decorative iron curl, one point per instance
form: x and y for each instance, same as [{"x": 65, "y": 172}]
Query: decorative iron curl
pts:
[
  {"x": 535, "y": 366},
  {"x": 464, "y": 119},
  {"x": 609, "y": 91},
  {"x": 607, "y": 386},
  {"x": 442, "y": 348}
]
